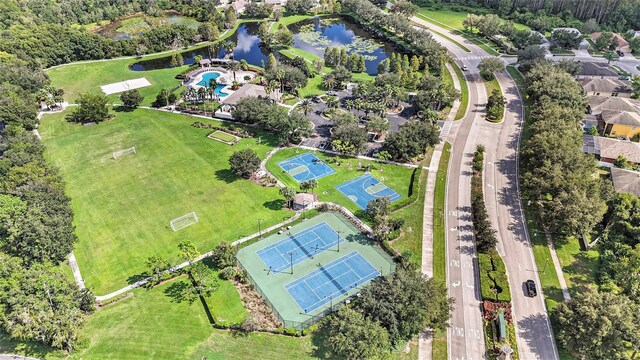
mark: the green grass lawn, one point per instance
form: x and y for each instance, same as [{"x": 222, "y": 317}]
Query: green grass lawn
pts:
[
  {"x": 464, "y": 92},
  {"x": 221, "y": 135},
  {"x": 439, "y": 237},
  {"x": 152, "y": 324},
  {"x": 76, "y": 79},
  {"x": 397, "y": 177},
  {"x": 122, "y": 208},
  {"x": 452, "y": 20},
  {"x": 492, "y": 85},
  {"x": 411, "y": 238}
]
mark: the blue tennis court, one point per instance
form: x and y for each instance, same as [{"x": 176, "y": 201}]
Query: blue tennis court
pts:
[
  {"x": 298, "y": 247},
  {"x": 330, "y": 281},
  {"x": 305, "y": 167},
  {"x": 365, "y": 188}
]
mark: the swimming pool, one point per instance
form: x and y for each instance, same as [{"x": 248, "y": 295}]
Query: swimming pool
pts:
[{"x": 205, "y": 83}]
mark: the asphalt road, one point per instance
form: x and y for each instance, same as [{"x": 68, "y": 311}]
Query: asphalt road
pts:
[{"x": 465, "y": 335}]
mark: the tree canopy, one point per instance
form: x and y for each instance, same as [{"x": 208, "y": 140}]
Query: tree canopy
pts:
[{"x": 244, "y": 162}]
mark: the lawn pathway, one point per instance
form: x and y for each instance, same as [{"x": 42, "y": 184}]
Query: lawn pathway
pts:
[
  {"x": 556, "y": 264},
  {"x": 199, "y": 258}
]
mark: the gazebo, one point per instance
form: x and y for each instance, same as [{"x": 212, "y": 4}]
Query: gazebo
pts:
[
  {"x": 304, "y": 201},
  {"x": 204, "y": 63}
]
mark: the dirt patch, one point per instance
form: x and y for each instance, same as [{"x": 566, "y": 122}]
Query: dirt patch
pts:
[{"x": 256, "y": 306}]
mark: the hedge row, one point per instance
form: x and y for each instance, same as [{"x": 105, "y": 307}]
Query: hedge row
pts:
[{"x": 493, "y": 278}]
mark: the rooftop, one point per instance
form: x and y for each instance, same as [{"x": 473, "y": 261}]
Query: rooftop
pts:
[
  {"x": 600, "y": 103},
  {"x": 604, "y": 85},
  {"x": 612, "y": 148},
  {"x": 620, "y": 117},
  {"x": 621, "y": 41},
  {"x": 249, "y": 90},
  {"x": 626, "y": 181},
  {"x": 594, "y": 69}
]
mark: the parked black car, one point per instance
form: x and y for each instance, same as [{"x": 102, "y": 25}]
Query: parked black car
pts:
[{"x": 531, "y": 288}]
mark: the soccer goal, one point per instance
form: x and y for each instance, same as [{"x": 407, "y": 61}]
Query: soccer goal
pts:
[
  {"x": 183, "y": 221},
  {"x": 120, "y": 153}
]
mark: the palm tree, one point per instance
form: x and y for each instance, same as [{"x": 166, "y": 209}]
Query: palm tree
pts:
[
  {"x": 213, "y": 83},
  {"x": 349, "y": 104},
  {"x": 289, "y": 194},
  {"x": 234, "y": 66},
  {"x": 306, "y": 106},
  {"x": 329, "y": 82},
  {"x": 202, "y": 93},
  {"x": 312, "y": 184},
  {"x": 274, "y": 85},
  {"x": 333, "y": 102},
  {"x": 229, "y": 46}
]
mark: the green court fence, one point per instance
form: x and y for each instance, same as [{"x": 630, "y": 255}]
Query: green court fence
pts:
[
  {"x": 350, "y": 221},
  {"x": 313, "y": 319},
  {"x": 290, "y": 323}
]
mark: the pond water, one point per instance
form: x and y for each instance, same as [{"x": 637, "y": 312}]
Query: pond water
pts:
[
  {"x": 312, "y": 35},
  {"x": 126, "y": 28},
  {"x": 247, "y": 48},
  {"x": 316, "y": 34}
]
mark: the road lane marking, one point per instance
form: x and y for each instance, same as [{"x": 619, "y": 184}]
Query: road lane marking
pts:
[
  {"x": 454, "y": 263},
  {"x": 453, "y": 229},
  {"x": 455, "y": 284},
  {"x": 469, "y": 286}
]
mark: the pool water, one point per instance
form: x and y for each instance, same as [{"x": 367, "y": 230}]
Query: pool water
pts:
[
  {"x": 205, "y": 82},
  {"x": 206, "y": 77}
]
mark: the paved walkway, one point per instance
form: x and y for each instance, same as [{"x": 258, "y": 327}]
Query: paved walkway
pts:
[
  {"x": 199, "y": 258},
  {"x": 76, "y": 271},
  {"x": 558, "y": 268},
  {"x": 425, "y": 341}
]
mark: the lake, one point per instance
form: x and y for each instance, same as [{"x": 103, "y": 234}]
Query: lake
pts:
[
  {"x": 312, "y": 35},
  {"x": 316, "y": 34},
  {"x": 247, "y": 48}
]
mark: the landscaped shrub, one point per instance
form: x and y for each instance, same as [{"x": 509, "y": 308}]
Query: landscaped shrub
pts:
[
  {"x": 493, "y": 278},
  {"x": 224, "y": 255},
  {"x": 228, "y": 273}
]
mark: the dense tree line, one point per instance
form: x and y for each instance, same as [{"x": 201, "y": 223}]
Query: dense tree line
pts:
[
  {"x": 390, "y": 311},
  {"x": 421, "y": 41},
  {"x": 69, "y": 12},
  {"x": 269, "y": 116},
  {"x": 617, "y": 15},
  {"x": 37, "y": 300},
  {"x": 51, "y": 44},
  {"x": 559, "y": 177}
]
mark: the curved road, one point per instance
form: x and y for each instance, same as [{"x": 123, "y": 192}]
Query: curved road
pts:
[{"x": 465, "y": 335}]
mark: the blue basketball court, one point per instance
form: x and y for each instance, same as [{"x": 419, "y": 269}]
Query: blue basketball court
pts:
[
  {"x": 331, "y": 281},
  {"x": 365, "y": 188},
  {"x": 305, "y": 167},
  {"x": 298, "y": 247}
]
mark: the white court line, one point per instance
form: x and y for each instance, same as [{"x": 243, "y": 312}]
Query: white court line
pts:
[
  {"x": 331, "y": 266},
  {"x": 349, "y": 286}
]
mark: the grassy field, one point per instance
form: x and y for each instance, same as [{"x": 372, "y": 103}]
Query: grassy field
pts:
[
  {"x": 397, "y": 177},
  {"x": 123, "y": 208},
  {"x": 221, "y": 135},
  {"x": 411, "y": 238},
  {"x": 76, "y": 79},
  {"x": 153, "y": 324},
  {"x": 452, "y": 20},
  {"x": 464, "y": 93},
  {"x": 439, "y": 237}
]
